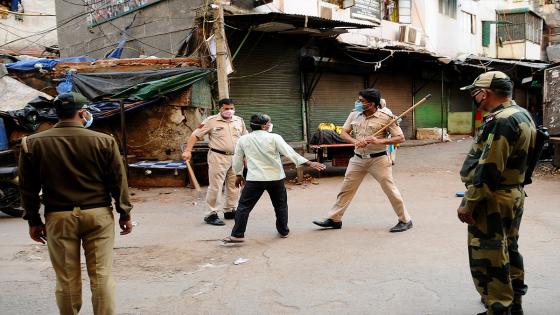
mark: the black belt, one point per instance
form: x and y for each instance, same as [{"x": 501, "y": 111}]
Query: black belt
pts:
[
  {"x": 52, "y": 208},
  {"x": 220, "y": 151},
  {"x": 372, "y": 155}
]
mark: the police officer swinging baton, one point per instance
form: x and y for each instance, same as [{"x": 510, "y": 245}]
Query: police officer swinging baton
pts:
[{"x": 420, "y": 102}]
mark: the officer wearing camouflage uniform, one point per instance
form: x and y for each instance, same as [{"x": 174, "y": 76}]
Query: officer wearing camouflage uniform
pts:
[{"x": 493, "y": 172}]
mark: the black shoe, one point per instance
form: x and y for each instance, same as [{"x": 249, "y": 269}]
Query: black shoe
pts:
[
  {"x": 328, "y": 223},
  {"x": 214, "y": 220},
  {"x": 401, "y": 227},
  {"x": 229, "y": 215}
]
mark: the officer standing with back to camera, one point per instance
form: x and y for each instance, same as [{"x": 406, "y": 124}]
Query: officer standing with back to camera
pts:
[
  {"x": 223, "y": 130},
  {"x": 494, "y": 175},
  {"x": 370, "y": 157},
  {"x": 78, "y": 170}
]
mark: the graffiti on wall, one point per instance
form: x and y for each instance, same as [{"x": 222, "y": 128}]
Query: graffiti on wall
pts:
[{"x": 106, "y": 10}]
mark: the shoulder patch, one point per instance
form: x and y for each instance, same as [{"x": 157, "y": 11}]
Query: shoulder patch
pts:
[{"x": 200, "y": 126}]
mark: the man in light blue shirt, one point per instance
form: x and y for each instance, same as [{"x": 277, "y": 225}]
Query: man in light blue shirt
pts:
[{"x": 261, "y": 149}]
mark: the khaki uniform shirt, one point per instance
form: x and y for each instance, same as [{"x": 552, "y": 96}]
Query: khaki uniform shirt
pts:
[
  {"x": 222, "y": 134},
  {"x": 73, "y": 166},
  {"x": 362, "y": 126}
]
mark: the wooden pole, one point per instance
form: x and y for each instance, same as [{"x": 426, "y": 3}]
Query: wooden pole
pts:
[
  {"x": 221, "y": 51},
  {"x": 420, "y": 102}
]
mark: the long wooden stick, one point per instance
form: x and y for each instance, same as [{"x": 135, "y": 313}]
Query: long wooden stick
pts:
[
  {"x": 193, "y": 178},
  {"x": 420, "y": 102}
]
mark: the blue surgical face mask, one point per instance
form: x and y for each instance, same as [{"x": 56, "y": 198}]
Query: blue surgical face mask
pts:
[
  {"x": 89, "y": 121},
  {"x": 359, "y": 106}
]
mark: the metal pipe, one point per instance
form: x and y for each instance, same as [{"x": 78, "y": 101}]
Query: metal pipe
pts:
[
  {"x": 441, "y": 101},
  {"x": 124, "y": 136}
]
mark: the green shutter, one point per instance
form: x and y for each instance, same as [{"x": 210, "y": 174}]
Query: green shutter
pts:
[
  {"x": 428, "y": 115},
  {"x": 333, "y": 99},
  {"x": 486, "y": 33},
  {"x": 267, "y": 79}
]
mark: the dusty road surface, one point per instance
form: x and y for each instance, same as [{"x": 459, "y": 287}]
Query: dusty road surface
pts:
[{"x": 173, "y": 263}]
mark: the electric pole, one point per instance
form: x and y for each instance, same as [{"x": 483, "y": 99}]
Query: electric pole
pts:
[{"x": 221, "y": 51}]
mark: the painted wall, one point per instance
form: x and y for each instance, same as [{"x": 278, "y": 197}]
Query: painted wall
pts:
[
  {"x": 157, "y": 31},
  {"x": 460, "y": 122},
  {"x": 520, "y": 50},
  {"x": 12, "y": 29}
]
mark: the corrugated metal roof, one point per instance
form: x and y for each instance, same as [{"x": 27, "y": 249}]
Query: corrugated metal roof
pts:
[
  {"x": 535, "y": 65},
  {"x": 297, "y": 20}
]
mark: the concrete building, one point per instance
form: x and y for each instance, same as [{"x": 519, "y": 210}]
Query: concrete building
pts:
[
  {"x": 445, "y": 27},
  {"x": 27, "y": 27},
  {"x": 155, "y": 27}
]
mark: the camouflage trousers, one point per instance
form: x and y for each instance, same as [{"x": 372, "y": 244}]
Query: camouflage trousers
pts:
[{"x": 495, "y": 262}]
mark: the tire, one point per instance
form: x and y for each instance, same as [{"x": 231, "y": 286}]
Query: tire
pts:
[
  {"x": 10, "y": 201},
  {"x": 18, "y": 213}
]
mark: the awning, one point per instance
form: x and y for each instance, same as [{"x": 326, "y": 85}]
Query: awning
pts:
[
  {"x": 518, "y": 10},
  {"x": 491, "y": 63},
  {"x": 290, "y": 23}
]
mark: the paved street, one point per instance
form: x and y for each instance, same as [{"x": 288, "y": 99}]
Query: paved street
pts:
[{"x": 172, "y": 263}]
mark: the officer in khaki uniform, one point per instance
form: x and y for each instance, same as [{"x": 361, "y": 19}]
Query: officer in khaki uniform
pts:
[
  {"x": 223, "y": 130},
  {"x": 78, "y": 171},
  {"x": 370, "y": 158}
]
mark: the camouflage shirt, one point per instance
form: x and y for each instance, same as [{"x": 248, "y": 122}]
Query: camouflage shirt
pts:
[{"x": 499, "y": 155}]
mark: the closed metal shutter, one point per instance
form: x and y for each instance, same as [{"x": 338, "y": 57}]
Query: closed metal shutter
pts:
[
  {"x": 333, "y": 99},
  {"x": 429, "y": 114},
  {"x": 267, "y": 79},
  {"x": 397, "y": 92}
]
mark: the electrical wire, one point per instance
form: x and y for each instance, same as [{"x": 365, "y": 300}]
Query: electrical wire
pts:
[
  {"x": 17, "y": 35},
  {"x": 47, "y": 30},
  {"x": 25, "y": 14},
  {"x": 254, "y": 74}
]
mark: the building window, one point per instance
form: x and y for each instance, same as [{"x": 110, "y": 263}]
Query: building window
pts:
[
  {"x": 448, "y": 7},
  {"x": 398, "y": 11},
  {"x": 469, "y": 23},
  {"x": 520, "y": 26}
]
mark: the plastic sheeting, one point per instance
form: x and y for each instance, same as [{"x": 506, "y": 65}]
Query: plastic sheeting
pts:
[
  {"x": 14, "y": 95},
  {"x": 165, "y": 86},
  {"x": 43, "y": 63},
  {"x": 136, "y": 85}
]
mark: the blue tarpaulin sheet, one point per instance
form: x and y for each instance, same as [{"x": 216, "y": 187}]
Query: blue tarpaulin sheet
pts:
[{"x": 47, "y": 64}]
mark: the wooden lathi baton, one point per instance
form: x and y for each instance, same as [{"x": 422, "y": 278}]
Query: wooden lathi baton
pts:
[
  {"x": 420, "y": 102},
  {"x": 193, "y": 178}
]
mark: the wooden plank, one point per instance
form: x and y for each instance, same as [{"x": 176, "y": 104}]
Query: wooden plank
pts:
[{"x": 124, "y": 65}]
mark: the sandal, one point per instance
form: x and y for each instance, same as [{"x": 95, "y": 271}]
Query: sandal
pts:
[{"x": 230, "y": 240}]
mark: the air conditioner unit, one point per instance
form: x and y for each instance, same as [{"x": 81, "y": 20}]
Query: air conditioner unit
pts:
[{"x": 409, "y": 34}]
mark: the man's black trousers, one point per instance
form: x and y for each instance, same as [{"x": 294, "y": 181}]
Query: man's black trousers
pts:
[{"x": 251, "y": 193}]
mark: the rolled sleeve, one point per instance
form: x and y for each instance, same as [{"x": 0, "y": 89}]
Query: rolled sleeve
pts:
[
  {"x": 348, "y": 123},
  {"x": 395, "y": 130},
  {"x": 202, "y": 129},
  {"x": 238, "y": 158}
]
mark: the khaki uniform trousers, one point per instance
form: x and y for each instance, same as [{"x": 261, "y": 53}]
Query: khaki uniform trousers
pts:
[
  {"x": 220, "y": 171},
  {"x": 378, "y": 167},
  {"x": 94, "y": 229}
]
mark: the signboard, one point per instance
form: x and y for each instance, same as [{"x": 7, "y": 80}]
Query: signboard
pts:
[
  {"x": 106, "y": 10},
  {"x": 551, "y": 95},
  {"x": 366, "y": 10}
]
